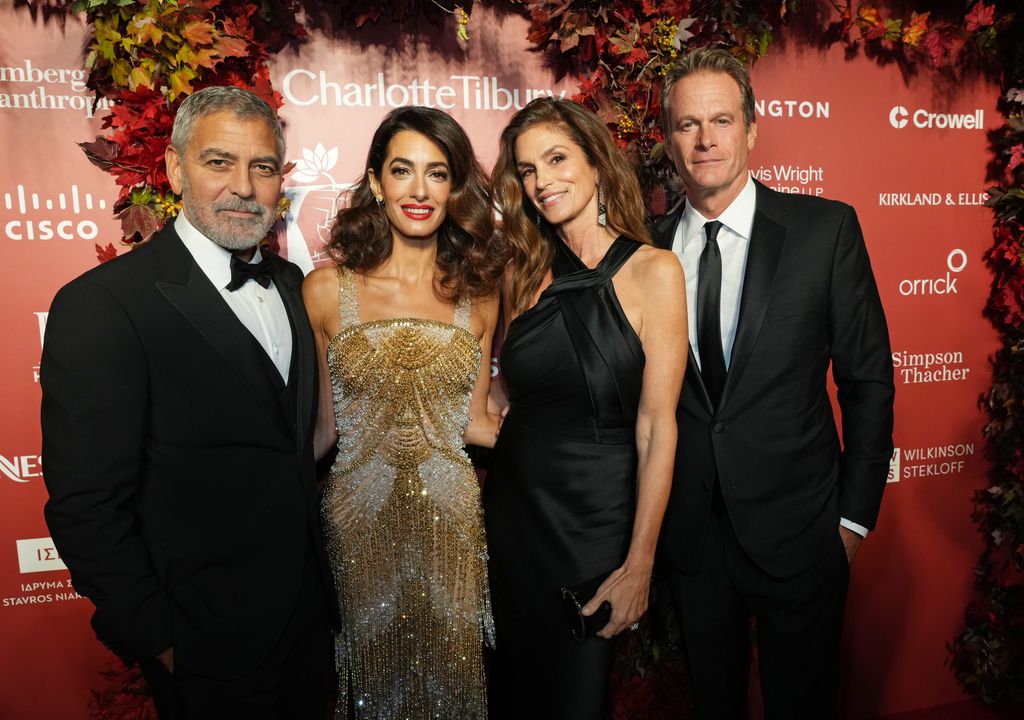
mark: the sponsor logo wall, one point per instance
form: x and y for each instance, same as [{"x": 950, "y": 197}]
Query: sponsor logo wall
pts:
[{"x": 910, "y": 159}]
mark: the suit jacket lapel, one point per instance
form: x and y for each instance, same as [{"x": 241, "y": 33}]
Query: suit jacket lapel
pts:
[
  {"x": 663, "y": 234},
  {"x": 188, "y": 289},
  {"x": 767, "y": 238},
  {"x": 303, "y": 348},
  {"x": 664, "y": 231}
]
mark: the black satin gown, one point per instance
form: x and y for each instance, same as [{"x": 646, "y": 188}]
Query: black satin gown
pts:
[{"x": 560, "y": 497}]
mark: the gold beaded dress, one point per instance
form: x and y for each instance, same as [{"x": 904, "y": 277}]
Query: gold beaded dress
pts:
[{"x": 402, "y": 518}]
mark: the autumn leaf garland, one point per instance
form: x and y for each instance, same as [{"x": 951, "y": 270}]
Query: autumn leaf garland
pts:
[{"x": 147, "y": 56}]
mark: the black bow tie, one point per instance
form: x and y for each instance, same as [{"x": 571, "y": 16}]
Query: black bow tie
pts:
[{"x": 242, "y": 272}]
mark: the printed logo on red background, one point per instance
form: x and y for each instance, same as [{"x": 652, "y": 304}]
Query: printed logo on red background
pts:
[
  {"x": 788, "y": 108},
  {"x": 315, "y": 199},
  {"x": 942, "y": 283},
  {"x": 894, "y": 466},
  {"x": 900, "y": 117},
  {"x": 935, "y": 366},
  {"x": 29, "y": 88},
  {"x": 931, "y": 461},
  {"x": 58, "y": 217},
  {"x": 303, "y": 86},
  {"x": 38, "y": 555},
  {"x": 801, "y": 179},
  {"x": 21, "y": 468}
]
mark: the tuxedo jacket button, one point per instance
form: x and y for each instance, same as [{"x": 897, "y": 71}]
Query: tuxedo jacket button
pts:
[{"x": 718, "y": 427}]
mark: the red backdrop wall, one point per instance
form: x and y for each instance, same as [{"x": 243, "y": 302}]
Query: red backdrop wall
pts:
[{"x": 908, "y": 153}]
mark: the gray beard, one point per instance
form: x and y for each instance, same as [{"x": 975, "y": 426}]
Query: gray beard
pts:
[{"x": 232, "y": 235}]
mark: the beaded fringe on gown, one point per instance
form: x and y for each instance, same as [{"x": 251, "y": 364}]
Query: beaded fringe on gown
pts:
[{"x": 402, "y": 517}]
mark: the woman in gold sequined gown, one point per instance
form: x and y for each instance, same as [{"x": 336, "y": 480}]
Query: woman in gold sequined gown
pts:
[{"x": 404, "y": 324}]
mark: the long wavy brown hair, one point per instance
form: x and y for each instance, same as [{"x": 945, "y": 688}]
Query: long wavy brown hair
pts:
[
  {"x": 470, "y": 257},
  {"x": 527, "y": 235}
]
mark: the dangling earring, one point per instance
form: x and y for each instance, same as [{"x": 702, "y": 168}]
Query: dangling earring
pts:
[
  {"x": 602, "y": 209},
  {"x": 380, "y": 200},
  {"x": 538, "y": 222}
]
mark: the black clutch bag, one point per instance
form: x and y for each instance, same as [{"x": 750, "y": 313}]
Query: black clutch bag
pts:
[{"x": 573, "y": 599}]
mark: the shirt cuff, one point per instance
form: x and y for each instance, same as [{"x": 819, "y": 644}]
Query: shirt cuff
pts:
[{"x": 849, "y": 525}]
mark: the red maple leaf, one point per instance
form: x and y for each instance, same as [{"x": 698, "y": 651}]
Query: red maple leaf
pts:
[
  {"x": 938, "y": 45},
  {"x": 1016, "y": 160},
  {"x": 980, "y": 16},
  {"x": 105, "y": 253}
]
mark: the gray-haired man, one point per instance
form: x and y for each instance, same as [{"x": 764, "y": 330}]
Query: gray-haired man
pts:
[{"x": 179, "y": 386}]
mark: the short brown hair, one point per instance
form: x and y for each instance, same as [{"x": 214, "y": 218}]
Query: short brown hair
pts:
[{"x": 708, "y": 59}]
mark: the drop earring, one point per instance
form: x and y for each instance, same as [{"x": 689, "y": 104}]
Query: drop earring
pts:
[{"x": 602, "y": 209}]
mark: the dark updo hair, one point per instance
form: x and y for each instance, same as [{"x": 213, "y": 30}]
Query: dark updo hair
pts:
[{"x": 469, "y": 256}]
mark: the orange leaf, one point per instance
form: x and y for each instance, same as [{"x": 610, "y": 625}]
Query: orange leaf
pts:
[
  {"x": 867, "y": 16},
  {"x": 232, "y": 47},
  {"x": 146, "y": 30},
  {"x": 198, "y": 33},
  {"x": 918, "y": 26}
]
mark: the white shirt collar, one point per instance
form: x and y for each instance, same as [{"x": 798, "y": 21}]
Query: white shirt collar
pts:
[
  {"x": 212, "y": 259},
  {"x": 738, "y": 217}
]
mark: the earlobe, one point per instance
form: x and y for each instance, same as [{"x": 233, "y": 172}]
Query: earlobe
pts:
[
  {"x": 752, "y": 136},
  {"x": 374, "y": 185}
]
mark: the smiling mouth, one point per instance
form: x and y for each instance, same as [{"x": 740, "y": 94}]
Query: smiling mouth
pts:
[
  {"x": 551, "y": 199},
  {"x": 417, "y": 212}
]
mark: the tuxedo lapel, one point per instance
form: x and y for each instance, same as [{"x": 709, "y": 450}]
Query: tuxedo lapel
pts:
[
  {"x": 192, "y": 294},
  {"x": 766, "y": 241},
  {"x": 303, "y": 348}
]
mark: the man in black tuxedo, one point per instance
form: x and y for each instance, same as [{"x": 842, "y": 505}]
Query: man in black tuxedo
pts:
[
  {"x": 179, "y": 385},
  {"x": 767, "y": 506}
]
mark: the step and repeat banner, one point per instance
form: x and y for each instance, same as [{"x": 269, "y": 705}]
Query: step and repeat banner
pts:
[{"x": 908, "y": 152}]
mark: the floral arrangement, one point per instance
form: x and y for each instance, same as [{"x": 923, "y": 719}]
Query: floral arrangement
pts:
[
  {"x": 147, "y": 56},
  {"x": 988, "y": 655},
  {"x": 621, "y": 49}
]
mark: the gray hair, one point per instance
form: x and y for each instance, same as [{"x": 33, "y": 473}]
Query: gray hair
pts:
[
  {"x": 207, "y": 101},
  {"x": 708, "y": 59}
]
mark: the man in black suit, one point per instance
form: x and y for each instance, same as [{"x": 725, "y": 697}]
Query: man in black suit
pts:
[
  {"x": 178, "y": 405},
  {"x": 767, "y": 506}
]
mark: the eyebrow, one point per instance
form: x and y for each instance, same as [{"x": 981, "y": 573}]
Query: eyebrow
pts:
[
  {"x": 407, "y": 161},
  {"x": 215, "y": 152},
  {"x": 722, "y": 113},
  {"x": 549, "y": 151}
]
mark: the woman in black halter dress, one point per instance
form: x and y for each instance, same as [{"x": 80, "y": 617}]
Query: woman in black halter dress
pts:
[{"x": 593, "y": 361}]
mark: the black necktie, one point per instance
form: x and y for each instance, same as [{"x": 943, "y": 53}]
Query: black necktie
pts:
[
  {"x": 242, "y": 272},
  {"x": 709, "y": 313}
]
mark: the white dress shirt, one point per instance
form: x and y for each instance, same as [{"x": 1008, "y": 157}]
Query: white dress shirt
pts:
[
  {"x": 261, "y": 310},
  {"x": 733, "y": 242}
]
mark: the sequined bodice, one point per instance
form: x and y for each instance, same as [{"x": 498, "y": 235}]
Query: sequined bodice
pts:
[
  {"x": 402, "y": 517},
  {"x": 401, "y": 389}
]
